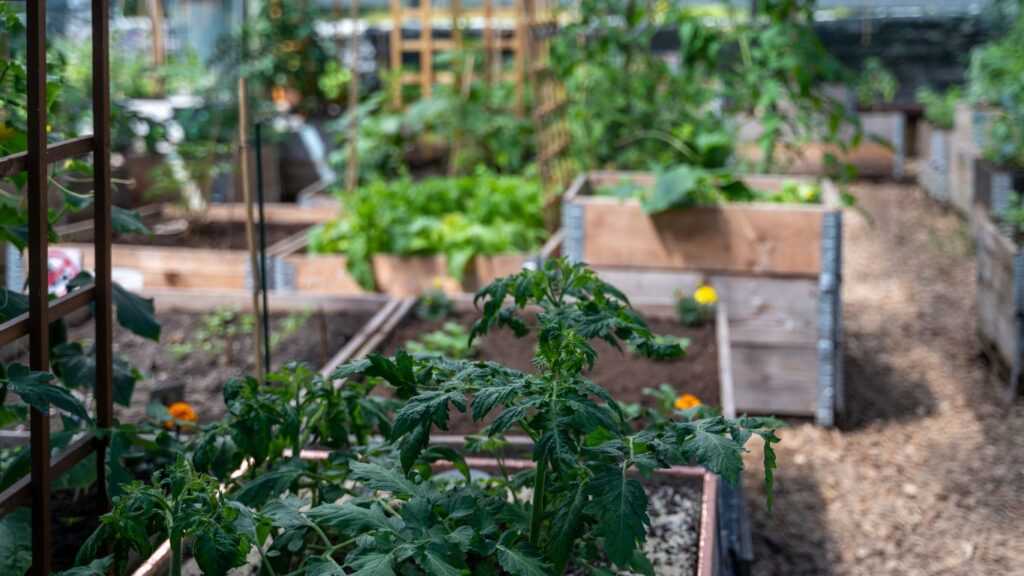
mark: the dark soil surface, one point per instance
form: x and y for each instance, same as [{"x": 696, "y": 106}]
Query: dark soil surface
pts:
[
  {"x": 925, "y": 476},
  {"x": 186, "y": 234},
  {"x": 75, "y": 517},
  {"x": 179, "y": 361},
  {"x": 619, "y": 372}
]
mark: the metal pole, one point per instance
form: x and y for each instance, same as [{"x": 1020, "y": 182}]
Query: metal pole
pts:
[
  {"x": 38, "y": 227},
  {"x": 103, "y": 235}
]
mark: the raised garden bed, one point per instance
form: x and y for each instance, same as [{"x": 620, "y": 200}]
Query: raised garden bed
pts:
[
  {"x": 1000, "y": 298},
  {"x": 623, "y": 374},
  {"x": 400, "y": 276},
  {"x": 206, "y": 340},
  {"x": 881, "y": 153},
  {"x": 936, "y": 160},
  {"x": 968, "y": 140},
  {"x": 775, "y": 267},
  {"x": 210, "y": 253}
]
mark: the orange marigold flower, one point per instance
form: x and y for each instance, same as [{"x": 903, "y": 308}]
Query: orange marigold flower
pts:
[
  {"x": 687, "y": 401},
  {"x": 182, "y": 413}
]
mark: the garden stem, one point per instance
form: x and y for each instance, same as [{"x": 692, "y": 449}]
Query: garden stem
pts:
[
  {"x": 537, "y": 515},
  {"x": 175, "y": 554}
]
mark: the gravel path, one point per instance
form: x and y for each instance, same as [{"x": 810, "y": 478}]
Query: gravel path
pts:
[{"x": 926, "y": 474}]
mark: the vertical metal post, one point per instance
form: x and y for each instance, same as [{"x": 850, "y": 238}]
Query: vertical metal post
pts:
[
  {"x": 829, "y": 302},
  {"x": 103, "y": 232},
  {"x": 38, "y": 226},
  {"x": 264, "y": 316}
]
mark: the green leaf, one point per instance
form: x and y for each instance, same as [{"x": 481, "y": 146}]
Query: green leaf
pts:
[
  {"x": 712, "y": 449},
  {"x": 12, "y": 304},
  {"x": 99, "y": 567},
  {"x": 35, "y": 389},
  {"x": 621, "y": 504},
  {"x": 351, "y": 519},
  {"x": 437, "y": 565},
  {"x": 323, "y": 566},
  {"x": 217, "y": 551},
  {"x": 519, "y": 563},
  {"x": 136, "y": 313},
  {"x": 16, "y": 542},
  {"x": 78, "y": 370},
  {"x": 373, "y": 564},
  {"x": 267, "y": 485},
  {"x": 377, "y": 477},
  {"x": 127, "y": 221}
]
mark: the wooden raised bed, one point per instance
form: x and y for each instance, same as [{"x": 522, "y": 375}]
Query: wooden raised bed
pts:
[
  {"x": 936, "y": 159},
  {"x": 881, "y": 153},
  {"x": 398, "y": 276},
  {"x": 970, "y": 133},
  {"x": 1000, "y": 298},
  {"x": 776, "y": 269},
  {"x": 160, "y": 262}
]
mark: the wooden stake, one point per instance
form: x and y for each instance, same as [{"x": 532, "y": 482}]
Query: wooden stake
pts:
[
  {"x": 395, "y": 47},
  {"x": 352, "y": 172}
]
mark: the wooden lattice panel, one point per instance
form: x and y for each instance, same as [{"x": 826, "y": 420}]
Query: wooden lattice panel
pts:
[
  {"x": 500, "y": 43},
  {"x": 549, "y": 97}
]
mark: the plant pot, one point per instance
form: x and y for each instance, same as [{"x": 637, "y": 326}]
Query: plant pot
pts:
[{"x": 775, "y": 268}]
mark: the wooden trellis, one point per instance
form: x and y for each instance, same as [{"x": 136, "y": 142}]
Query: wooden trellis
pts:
[
  {"x": 35, "y": 489},
  {"x": 499, "y": 44},
  {"x": 550, "y": 99}
]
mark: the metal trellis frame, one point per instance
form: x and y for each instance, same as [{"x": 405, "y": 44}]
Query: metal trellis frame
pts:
[{"x": 36, "y": 160}]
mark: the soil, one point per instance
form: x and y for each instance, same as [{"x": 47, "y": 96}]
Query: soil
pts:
[
  {"x": 619, "y": 372},
  {"x": 75, "y": 517},
  {"x": 201, "y": 374},
  {"x": 924, "y": 476},
  {"x": 185, "y": 234}
]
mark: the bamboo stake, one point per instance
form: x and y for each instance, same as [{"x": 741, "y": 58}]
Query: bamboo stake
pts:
[
  {"x": 426, "y": 49},
  {"x": 352, "y": 173},
  {"x": 489, "y": 41},
  {"x": 395, "y": 46},
  {"x": 250, "y": 228}
]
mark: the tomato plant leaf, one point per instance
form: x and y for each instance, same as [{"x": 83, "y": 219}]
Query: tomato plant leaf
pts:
[
  {"x": 521, "y": 563},
  {"x": 16, "y": 542},
  {"x": 127, "y": 221},
  {"x": 323, "y": 566},
  {"x": 98, "y": 567},
  {"x": 621, "y": 503},
  {"x": 373, "y": 564},
  {"x": 35, "y": 389},
  {"x": 136, "y": 313}
]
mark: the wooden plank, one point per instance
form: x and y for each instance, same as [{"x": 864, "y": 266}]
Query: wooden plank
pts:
[
  {"x": 771, "y": 311},
  {"x": 775, "y": 380},
  {"x": 276, "y": 212},
  {"x": 348, "y": 351},
  {"x": 171, "y": 267},
  {"x": 737, "y": 238},
  {"x": 322, "y": 274},
  {"x": 996, "y": 307},
  {"x": 202, "y": 300},
  {"x": 406, "y": 276}
]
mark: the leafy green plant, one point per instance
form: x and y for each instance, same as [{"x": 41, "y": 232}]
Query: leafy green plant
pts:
[
  {"x": 181, "y": 505},
  {"x": 434, "y": 304},
  {"x": 451, "y": 341},
  {"x": 586, "y": 508},
  {"x": 940, "y": 107},
  {"x": 875, "y": 84},
  {"x": 686, "y": 186},
  {"x": 996, "y": 81},
  {"x": 460, "y": 218}
]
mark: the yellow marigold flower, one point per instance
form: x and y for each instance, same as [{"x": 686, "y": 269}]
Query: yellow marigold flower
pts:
[
  {"x": 687, "y": 401},
  {"x": 705, "y": 295},
  {"x": 182, "y": 412},
  {"x": 5, "y": 132}
]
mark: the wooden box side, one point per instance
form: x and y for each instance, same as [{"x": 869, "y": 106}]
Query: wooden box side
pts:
[{"x": 997, "y": 309}]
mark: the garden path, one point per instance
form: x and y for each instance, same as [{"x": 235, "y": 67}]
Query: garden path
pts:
[{"x": 925, "y": 475}]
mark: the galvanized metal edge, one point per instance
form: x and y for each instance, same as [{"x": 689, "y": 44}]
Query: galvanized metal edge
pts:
[
  {"x": 572, "y": 227},
  {"x": 1018, "y": 314},
  {"x": 829, "y": 318}
]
